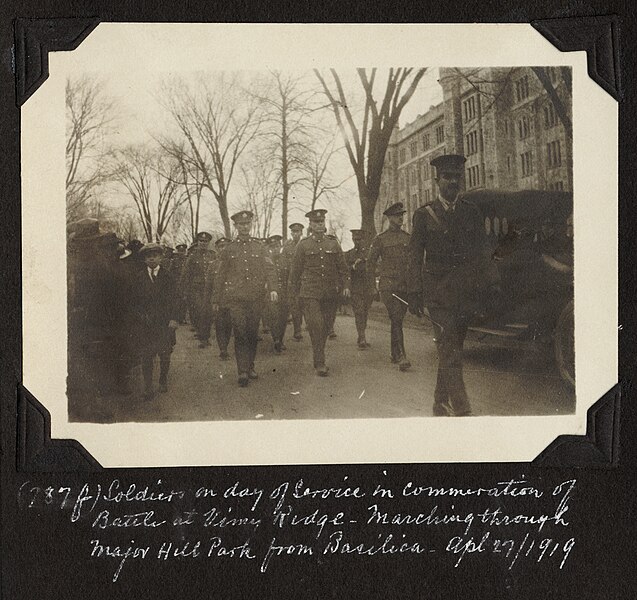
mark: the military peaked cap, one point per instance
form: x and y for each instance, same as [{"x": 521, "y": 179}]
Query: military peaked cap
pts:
[
  {"x": 297, "y": 226},
  {"x": 395, "y": 209},
  {"x": 243, "y": 216},
  {"x": 181, "y": 246},
  {"x": 204, "y": 236},
  {"x": 449, "y": 162},
  {"x": 275, "y": 238},
  {"x": 222, "y": 240},
  {"x": 316, "y": 214}
]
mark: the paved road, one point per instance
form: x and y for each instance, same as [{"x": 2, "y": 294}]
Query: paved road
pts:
[{"x": 361, "y": 384}]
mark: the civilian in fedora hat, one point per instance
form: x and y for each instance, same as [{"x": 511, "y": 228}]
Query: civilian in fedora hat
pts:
[{"x": 155, "y": 306}]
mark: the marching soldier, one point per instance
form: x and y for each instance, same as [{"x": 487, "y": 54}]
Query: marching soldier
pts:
[
  {"x": 391, "y": 247},
  {"x": 193, "y": 285},
  {"x": 177, "y": 264},
  {"x": 457, "y": 271},
  {"x": 363, "y": 284},
  {"x": 318, "y": 273},
  {"x": 296, "y": 229},
  {"x": 223, "y": 322},
  {"x": 245, "y": 271},
  {"x": 278, "y": 318}
]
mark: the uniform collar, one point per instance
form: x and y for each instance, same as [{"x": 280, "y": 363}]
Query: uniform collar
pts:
[{"x": 448, "y": 206}]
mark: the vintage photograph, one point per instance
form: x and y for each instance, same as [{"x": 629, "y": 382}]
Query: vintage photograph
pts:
[{"x": 321, "y": 243}]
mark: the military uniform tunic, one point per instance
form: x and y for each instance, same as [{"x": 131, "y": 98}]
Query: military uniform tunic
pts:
[
  {"x": 244, "y": 276},
  {"x": 193, "y": 285},
  {"x": 391, "y": 247},
  {"x": 456, "y": 272},
  {"x": 363, "y": 287},
  {"x": 317, "y": 275},
  {"x": 287, "y": 252}
]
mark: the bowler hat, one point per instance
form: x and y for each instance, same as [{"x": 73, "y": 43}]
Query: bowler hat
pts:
[
  {"x": 151, "y": 248},
  {"x": 395, "y": 209}
]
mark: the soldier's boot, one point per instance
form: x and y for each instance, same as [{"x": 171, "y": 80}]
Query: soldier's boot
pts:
[
  {"x": 243, "y": 380},
  {"x": 322, "y": 371},
  {"x": 298, "y": 337},
  {"x": 223, "y": 355},
  {"x": 362, "y": 343},
  {"x": 403, "y": 363},
  {"x": 332, "y": 335},
  {"x": 252, "y": 374},
  {"x": 277, "y": 347},
  {"x": 204, "y": 343}
]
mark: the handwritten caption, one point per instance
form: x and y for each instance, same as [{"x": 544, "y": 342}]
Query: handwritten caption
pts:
[{"x": 126, "y": 522}]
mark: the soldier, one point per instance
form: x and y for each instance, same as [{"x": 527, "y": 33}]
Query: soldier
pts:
[
  {"x": 279, "y": 311},
  {"x": 177, "y": 264},
  {"x": 154, "y": 301},
  {"x": 363, "y": 284},
  {"x": 391, "y": 247},
  {"x": 245, "y": 271},
  {"x": 318, "y": 273},
  {"x": 456, "y": 272},
  {"x": 193, "y": 286},
  {"x": 296, "y": 229},
  {"x": 223, "y": 323}
]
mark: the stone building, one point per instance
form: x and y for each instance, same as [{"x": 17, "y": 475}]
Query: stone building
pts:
[{"x": 501, "y": 119}]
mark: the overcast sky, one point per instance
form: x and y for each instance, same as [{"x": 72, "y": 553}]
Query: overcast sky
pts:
[{"x": 140, "y": 116}]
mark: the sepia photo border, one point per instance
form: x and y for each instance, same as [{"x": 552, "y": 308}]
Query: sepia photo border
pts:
[{"x": 212, "y": 47}]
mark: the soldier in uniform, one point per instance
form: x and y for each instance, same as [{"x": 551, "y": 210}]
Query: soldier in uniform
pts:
[
  {"x": 245, "y": 271},
  {"x": 193, "y": 286},
  {"x": 296, "y": 230},
  {"x": 363, "y": 284},
  {"x": 457, "y": 271},
  {"x": 154, "y": 301},
  {"x": 177, "y": 264},
  {"x": 391, "y": 247},
  {"x": 223, "y": 322},
  {"x": 279, "y": 311},
  {"x": 317, "y": 274}
]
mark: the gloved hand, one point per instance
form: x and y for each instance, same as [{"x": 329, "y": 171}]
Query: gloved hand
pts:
[{"x": 416, "y": 304}]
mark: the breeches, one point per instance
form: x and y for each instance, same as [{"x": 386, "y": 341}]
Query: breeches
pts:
[
  {"x": 319, "y": 318},
  {"x": 360, "y": 307},
  {"x": 396, "y": 311},
  {"x": 245, "y": 317}
]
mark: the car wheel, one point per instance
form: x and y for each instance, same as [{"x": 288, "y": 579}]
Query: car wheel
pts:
[{"x": 564, "y": 340}]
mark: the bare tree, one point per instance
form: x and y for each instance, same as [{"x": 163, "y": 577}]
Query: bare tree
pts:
[
  {"x": 189, "y": 176},
  {"x": 142, "y": 173},
  {"x": 289, "y": 129},
  {"x": 217, "y": 125},
  {"x": 366, "y": 143},
  {"x": 263, "y": 188},
  {"x": 89, "y": 118}
]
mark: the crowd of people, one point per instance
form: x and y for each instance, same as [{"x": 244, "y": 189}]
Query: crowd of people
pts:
[{"x": 127, "y": 299}]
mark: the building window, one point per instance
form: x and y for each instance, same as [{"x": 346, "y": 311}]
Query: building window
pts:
[
  {"x": 388, "y": 157},
  {"x": 508, "y": 164},
  {"x": 523, "y": 127},
  {"x": 471, "y": 140},
  {"x": 425, "y": 142},
  {"x": 413, "y": 176},
  {"x": 469, "y": 108},
  {"x": 526, "y": 160},
  {"x": 413, "y": 149},
  {"x": 402, "y": 155},
  {"x": 426, "y": 171},
  {"x": 414, "y": 199},
  {"x": 402, "y": 181},
  {"x": 554, "y": 154},
  {"x": 440, "y": 134},
  {"x": 506, "y": 127},
  {"x": 522, "y": 88},
  {"x": 550, "y": 116},
  {"x": 427, "y": 195},
  {"x": 557, "y": 186},
  {"x": 474, "y": 176}
]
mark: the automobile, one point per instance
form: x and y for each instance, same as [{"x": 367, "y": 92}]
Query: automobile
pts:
[{"x": 530, "y": 235}]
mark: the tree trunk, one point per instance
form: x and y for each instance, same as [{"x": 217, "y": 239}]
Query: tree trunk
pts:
[
  {"x": 284, "y": 172},
  {"x": 368, "y": 207}
]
